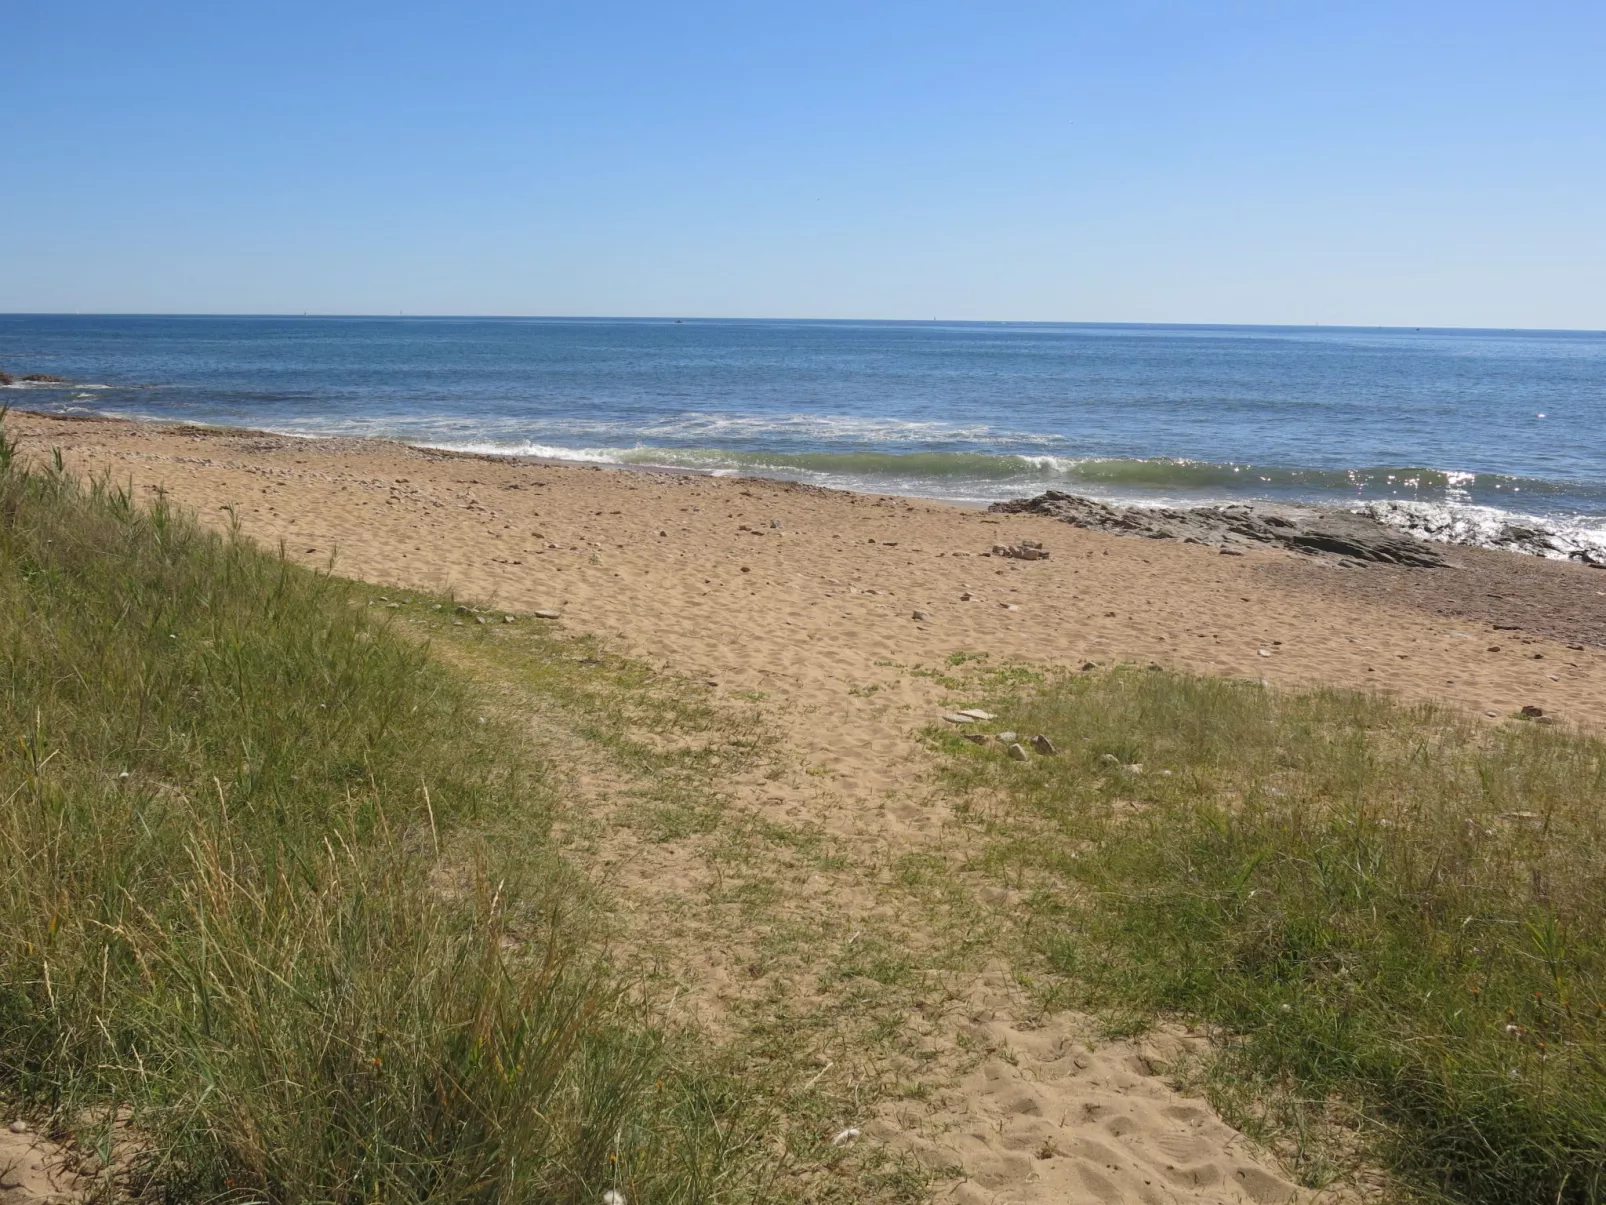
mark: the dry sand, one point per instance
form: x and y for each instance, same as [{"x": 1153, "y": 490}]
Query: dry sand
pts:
[{"x": 808, "y": 597}]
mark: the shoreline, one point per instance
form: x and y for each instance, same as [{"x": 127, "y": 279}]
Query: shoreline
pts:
[
  {"x": 327, "y": 493},
  {"x": 1435, "y": 524}
]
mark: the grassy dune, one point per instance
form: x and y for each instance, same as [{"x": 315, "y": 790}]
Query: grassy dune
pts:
[
  {"x": 1395, "y": 915},
  {"x": 250, "y": 901}
]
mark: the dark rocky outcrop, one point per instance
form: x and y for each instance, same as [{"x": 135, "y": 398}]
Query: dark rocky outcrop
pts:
[
  {"x": 43, "y": 378},
  {"x": 1350, "y": 537},
  {"x": 6, "y": 379}
]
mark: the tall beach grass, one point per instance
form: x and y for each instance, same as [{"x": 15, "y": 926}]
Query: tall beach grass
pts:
[{"x": 245, "y": 902}]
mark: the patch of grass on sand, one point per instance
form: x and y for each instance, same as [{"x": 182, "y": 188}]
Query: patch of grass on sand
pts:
[
  {"x": 717, "y": 905},
  {"x": 252, "y": 906},
  {"x": 1392, "y": 913}
]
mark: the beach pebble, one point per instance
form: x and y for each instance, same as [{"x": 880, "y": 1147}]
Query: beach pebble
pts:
[
  {"x": 1043, "y": 745},
  {"x": 1017, "y": 753},
  {"x": 922, "y": 614},
  {"x": 1008, "y": 738},
  {"x": 976, "y": 713},
  {"x": 19, "y": 1127},
  {"x": 775, "y": 525},
  {"x": 966, "y": 596},
  {"x": 547, "y": 614},
  {"x": 845, "y": 1137},
  {"x": 507, "y": 619},
  {"x": 1265, "y": 652},
  {"x": 957, "y": 718}
]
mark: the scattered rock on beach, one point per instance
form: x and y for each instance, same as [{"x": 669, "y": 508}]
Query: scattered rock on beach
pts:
[
  {"x": 547, "y": 614},
  {"x": 1026, "y": 550},
  {"x": 43, "y": 378},
  {"x": 1018, "y": 753},
  {"x": 1043, "y": 745},
  {"x": 922, "y": 615},
  {"x": 956, "y": 718},
  {"x": 1299, "y": 529}
]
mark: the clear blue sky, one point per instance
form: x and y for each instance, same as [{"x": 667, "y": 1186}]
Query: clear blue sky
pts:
[{"x": 1408, "y": 163}]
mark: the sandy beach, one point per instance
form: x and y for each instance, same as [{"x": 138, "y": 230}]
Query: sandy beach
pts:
[
  {"x": 815, "y": 603},
  {"x": 800, "y": 592}
]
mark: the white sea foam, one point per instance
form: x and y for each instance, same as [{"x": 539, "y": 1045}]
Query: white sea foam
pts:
[
  {"x": 1579, "y": 538},
  {"x": 536, "y": 450}
]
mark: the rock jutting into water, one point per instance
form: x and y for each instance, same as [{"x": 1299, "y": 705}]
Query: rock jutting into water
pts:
[{"x": 1350, "y": 537}]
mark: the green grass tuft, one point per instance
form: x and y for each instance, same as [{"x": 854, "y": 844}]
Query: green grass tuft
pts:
[
  {"x": 246, "y": 901},
  {"x": 1392, "y": 906}
]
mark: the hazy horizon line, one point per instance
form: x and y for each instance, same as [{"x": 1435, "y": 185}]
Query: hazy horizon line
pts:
[{"x": 710, "y": 318}]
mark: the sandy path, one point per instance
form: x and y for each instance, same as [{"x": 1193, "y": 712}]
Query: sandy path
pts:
[{"x": 808, "y": 598}]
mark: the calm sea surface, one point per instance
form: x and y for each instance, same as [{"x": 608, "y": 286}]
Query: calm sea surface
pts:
[{"x": 1485, "y": 424}]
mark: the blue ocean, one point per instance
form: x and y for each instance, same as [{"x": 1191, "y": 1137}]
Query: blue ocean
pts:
[{"x": 1462, "y": 432}]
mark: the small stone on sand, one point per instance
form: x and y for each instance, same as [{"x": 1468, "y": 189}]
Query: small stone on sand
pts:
[
  {"x": 547, "y": 614},
  {"x": 922, "y": 615},
  {"x": 976, "y": 713},
  {"x": 1017, "y": 753},
  {"x": 956, "y": 718},
  {"x": 1043, "y": 745}
]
